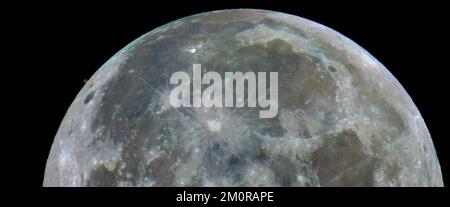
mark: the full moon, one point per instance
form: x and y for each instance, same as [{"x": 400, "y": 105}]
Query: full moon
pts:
[{"x": 342, "y": 120}]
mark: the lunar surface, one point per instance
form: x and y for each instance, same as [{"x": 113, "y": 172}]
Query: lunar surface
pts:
[{"x": 343, "y": 119}]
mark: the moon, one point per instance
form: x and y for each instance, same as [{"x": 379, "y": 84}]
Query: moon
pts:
[{"x": 343, "y": 118}]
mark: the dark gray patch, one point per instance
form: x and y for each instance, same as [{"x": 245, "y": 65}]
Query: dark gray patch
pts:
[
  {"x": 101, "y": 177},
  {"x": 234, "y": 160},
  {"x": 342, "y": 162},
  {"x": 89, "y": 97},
  {"x": 424, "y": 148},
  {"x": 275, "y": 130},
  {"x": 332, "y": 69},
  {"x": 284, "y": 170}
]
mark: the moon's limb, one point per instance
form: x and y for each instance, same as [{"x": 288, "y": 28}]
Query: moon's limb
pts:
[{"x": 344, "y": 120}]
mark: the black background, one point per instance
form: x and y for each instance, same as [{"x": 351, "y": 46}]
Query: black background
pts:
[{"x": 52, "y": 47}]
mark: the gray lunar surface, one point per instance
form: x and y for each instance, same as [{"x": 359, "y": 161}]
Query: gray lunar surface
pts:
[{"x": 343, "y": 119}]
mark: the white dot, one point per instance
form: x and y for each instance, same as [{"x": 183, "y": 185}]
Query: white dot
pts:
[{"x": 214, "y": 126}]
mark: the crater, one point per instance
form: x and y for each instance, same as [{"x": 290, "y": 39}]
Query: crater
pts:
[{"x": 89, "y": 97}]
